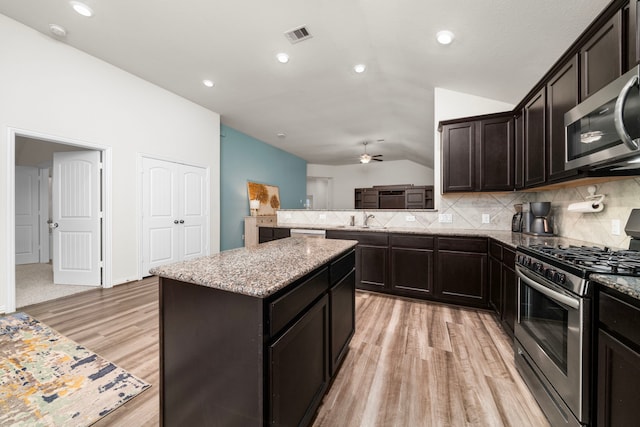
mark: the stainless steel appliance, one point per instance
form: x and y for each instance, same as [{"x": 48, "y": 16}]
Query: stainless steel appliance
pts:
[
  {"x": 554, "y": 323},
  {"x": 516, "y": 221},
  {"x": 540, "y": 223},
  {"x": 604, "y": 130}
]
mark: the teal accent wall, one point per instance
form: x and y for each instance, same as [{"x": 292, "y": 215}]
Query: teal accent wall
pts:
[{"x": 244, "y": 158}]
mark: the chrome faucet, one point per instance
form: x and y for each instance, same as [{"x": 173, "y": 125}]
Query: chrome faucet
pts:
[{"x": 366, "y": 219}]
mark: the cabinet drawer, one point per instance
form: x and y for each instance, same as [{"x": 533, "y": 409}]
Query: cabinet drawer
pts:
[
  {"x": 411, "y": 241},
  {"x": 620, "y": 317},
  {"x": 462, "y": 244},
  {"x": 495, "y": 250},
  {"x": 509, "y": 257},
  {"x": 288, "y": 306},
  {"x": 281, "y": 233},
  {"x": 266, "y": 220},
  {"x": 363, "y": 237},
  {"x": 265, "y": 232},
  {"x": 340, "y": 268}
]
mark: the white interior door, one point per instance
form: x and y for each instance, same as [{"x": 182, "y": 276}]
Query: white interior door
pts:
[
  {"x": 27, "y": 213},
  {"x": 193, "y": 211},
  {"x": 76, "y": 214},
  {"x": 175, "y": 220},
  {"x": 160, "y": 222}
]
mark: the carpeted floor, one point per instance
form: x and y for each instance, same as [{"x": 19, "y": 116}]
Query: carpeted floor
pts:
[{"x": 34, "y": 284}]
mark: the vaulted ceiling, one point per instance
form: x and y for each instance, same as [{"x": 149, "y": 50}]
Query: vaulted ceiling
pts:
[{"x": 324, "y": 109}]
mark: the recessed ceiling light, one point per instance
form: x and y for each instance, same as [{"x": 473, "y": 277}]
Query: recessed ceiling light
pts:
[
  {"x": 359, "y": 68},
  {"x": 282, "y": 57},
  {"x": 445, "y": 37},
  {"x": 281, "y": 135},
  {"x": 81, "y": 8},
  {"x": 57, "y": 30},
  {"x": 208, "y": 83}
]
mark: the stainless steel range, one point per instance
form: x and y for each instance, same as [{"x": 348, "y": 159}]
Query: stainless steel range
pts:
[{"x": 553, "y": 329}]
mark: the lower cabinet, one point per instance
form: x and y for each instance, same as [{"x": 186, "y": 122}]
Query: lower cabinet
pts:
[
  {"x": 343, "y": 318},
  {"x": 412, "y": 265},
  {"x": 618, "y": 361},
  {"x": 267, "y": 234},
  {"x": 503, "y": 291},
  {"x": 461, "y": 265}
]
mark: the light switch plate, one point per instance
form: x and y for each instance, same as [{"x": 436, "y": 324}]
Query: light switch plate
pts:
[
  {"x": 615, "y": 227},
  {"x": 323, "y": 216},
  {"x": 410, "y": 218},
  {"x": 486, "y": 219}
]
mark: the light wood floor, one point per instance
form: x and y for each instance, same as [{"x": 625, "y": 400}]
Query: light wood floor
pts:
[{"x": 410, "y": 363}]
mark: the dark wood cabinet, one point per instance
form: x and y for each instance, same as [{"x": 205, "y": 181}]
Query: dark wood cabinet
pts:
[
  {"x": 495, "y": 277},
  {"x": 461, "y": 271},
  {"x": 495, "y": 154},
  {"x": 412, "y": 260},
  {"x": 518, "y": 163},
  {"x": 618, "y": 364},
  {"x": 343, "y": 318},
  {"x": 394, "y": 197},
  {"x": 601, "y": 56},
  {"x": 630, "y": 35},
  {"x": 267, "y": 234},
  {"x": 458, "y": 157},
  {"x": 562, "y": 95},
  {"x": 509, "y": 289},
  {"x": 534, "y": 140}
]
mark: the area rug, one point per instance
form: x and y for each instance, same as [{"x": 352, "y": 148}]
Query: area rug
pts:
[{"x": 47, "y": 379}]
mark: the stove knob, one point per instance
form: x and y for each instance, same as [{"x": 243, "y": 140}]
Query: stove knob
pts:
[
  {"x": 550, "y": 273},
  {"x": 561, "y": 278},
  {"x": 537, "y": 266}
]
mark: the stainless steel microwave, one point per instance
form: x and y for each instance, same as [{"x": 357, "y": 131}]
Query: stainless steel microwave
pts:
[{"x": 604, "y": 130}]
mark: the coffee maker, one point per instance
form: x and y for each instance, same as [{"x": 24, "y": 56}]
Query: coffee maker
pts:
[{"x": 539, "y": 222}]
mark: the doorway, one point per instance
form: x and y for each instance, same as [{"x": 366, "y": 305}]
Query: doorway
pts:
[{"x": 32, "y": 151}]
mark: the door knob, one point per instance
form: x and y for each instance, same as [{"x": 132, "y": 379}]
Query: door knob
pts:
[
  {"x": 175, "y": 221},
  {"x": 53, "y": 225},
  {"x": 182, "y": 221}
]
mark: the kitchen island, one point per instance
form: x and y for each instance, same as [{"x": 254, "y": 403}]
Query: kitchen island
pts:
[{"x": 253, "y": 337}]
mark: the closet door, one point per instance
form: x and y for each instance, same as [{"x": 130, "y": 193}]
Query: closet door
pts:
[{"x": 193, "y": 211}]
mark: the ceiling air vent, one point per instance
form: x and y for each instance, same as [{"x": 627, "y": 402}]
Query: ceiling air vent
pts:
[{"x": 298, "y": 34}]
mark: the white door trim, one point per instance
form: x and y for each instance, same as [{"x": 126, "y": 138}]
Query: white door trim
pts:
[
  {"x": 140, "y": 198},
  {"x": 10, "y": 283}
]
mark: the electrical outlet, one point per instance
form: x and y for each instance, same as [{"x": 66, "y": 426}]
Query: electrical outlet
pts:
[
  {"x": 615, "y": 227},
  {"x": 322, "y": 216},
  {"x": 486, "y": 219},
  {"x": 445, "y": 218},
  {"x": 410, "y": 218}
]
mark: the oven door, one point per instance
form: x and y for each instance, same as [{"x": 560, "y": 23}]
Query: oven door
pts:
[{"x": 551, "y": 329}]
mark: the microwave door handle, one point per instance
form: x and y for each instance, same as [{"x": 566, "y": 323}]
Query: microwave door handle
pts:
[
  {"x": 619, "y": 124},
  {"x": 554, "y": 295}
]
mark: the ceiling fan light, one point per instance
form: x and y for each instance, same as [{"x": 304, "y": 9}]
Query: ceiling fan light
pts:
[{"x": 365, "y": 158}]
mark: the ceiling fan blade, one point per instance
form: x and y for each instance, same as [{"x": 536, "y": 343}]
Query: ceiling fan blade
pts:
[
  {"x": 377, "y": 155},
  {"x": 378, "y": 160}
]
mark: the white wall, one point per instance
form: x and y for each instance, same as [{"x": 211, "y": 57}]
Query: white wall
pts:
[
  {"x": 448, "y": 105},
  {"x": 346, "y": 178},
  {"x": 50, "y": 88},
  {"x": 320, "y": 189}
]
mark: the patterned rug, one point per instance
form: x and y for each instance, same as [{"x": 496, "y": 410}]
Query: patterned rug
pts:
[{"x": 48, "y": 380}]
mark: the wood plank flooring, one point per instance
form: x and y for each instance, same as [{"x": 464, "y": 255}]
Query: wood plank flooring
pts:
[{"x": 411, "y": 363}]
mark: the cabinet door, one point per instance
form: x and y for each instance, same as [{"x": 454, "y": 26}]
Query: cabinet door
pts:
[
  {"x": 562, "y": 95},
  {"x": 495, "y": 285},
  {"x": 534, "y": 143},
  {"x": 414, "y": 198},
  {"x": 265, "y": 234},
  {"x": 618, "y": 399},
  {"x": 461, "y": 277},
  {"x": 518, "y": 163},
  {"x": 370, "y": 199},
  {"x": 494, "y": 159},
  {"x": 357, "y": 198},
  {"x": 299, "y": 366},
  {"x": 372, "y": 264},
  {"x": 343, "y": 318},
  {"x": 412, "y": 271},
  {"x": 601, "y": 57},
  {"x": 458, "y": 154},
  {"x": 281, "y": 233},
  {"x": 509, "y": 297}
]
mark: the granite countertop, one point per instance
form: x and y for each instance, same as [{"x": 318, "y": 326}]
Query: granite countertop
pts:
[
  {"x": 259, "y": 271},
  {"x": 625, "y": 284}
]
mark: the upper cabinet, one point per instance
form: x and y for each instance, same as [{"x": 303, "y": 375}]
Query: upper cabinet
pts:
[
  {"x": 526, "y": 148},
  {"x": 478, "y": 155},
  {"x": 601, "y": 56},
  {"x": 394, "y": 197}
]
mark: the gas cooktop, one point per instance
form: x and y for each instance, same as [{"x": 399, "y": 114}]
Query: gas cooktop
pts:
[{"x": 587, "y": 259}]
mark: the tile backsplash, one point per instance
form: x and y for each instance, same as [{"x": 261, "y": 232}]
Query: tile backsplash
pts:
[{"x": 466, "y": 212}]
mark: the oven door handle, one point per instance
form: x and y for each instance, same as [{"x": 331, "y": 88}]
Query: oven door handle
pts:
[{"x": 554, "y": 295}]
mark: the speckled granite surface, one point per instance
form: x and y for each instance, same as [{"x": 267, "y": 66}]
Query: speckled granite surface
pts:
[
  {"x": 259, "y": 271},
  {"x": 625, "y": 284}
]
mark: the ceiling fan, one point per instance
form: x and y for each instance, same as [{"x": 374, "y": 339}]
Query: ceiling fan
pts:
[{"x": 366, "y": 158}]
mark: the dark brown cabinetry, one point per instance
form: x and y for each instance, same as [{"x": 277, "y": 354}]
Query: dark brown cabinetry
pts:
[
  {"x": 562, "y": 95},
  {"x": 518, "y": 163},
  {"x": 601, "y": 56},
  {"x": 267, "y": 234},
  {"x": 618, "y": 365},
  {"x": 412, "y": 264},
  {"x": 503, "y": 283},
  {"x": 478, "y": 155},
  {"x": 461, "y": 271},
  {"x": 260, "y": 361},
  {"x": 458, "y": 157},
  {"x": 495, "y": 276},
  {"x": 534, "y": 140},
  {"x": 394, "y": 197}
]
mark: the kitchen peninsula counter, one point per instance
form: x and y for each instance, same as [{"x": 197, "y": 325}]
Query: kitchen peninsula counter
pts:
[{"x": 254, "y": 336}]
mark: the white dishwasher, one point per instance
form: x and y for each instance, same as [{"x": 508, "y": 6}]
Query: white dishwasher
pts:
[{"x": 308, "y": 232}]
